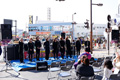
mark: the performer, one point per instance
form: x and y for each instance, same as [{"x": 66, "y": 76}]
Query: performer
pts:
[
  {"x": 55, "y": 48},
  {"x": 68, "y": 47},
  {"x": 87, "y": 44},
  {"x": 30, "y": 49},
  {"x": 38, "y": 46},
  {"x": 73, "y": 47},
  {"x": 0, "y": 49},
  {"x": 78, "y": 46},
  {"x": 62, "y": 47},
  {"x": 47, "y": 49},
  {"x": 21, "y": 47}
]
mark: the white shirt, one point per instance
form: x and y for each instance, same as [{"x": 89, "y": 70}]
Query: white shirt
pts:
[{"x": 107, "y": 73}]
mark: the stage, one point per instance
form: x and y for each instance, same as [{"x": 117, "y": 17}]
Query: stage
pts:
[{"x": 17, "y": 66}]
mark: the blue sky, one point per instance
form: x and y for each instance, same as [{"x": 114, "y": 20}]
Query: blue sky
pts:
[{"x": 60, "y": 11}]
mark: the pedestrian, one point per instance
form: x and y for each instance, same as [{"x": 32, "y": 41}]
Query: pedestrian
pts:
[
  {"x": 47, "y": 48},
  {"x": 55, "y": 48},
  {"x": 68, "y": 48},
  {"x": 21, "y": 50},
  {"x": 78, "y": 46},
  {"x": 62, "y": 47},
  {"x": 38, "y": 46},
  {"x": 30, "y": 49}
]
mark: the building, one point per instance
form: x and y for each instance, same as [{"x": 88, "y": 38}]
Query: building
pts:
[
  {"x": 53, "y": 28},
  {"x": 81, "y": 31}
]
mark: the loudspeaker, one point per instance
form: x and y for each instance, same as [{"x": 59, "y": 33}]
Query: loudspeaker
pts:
[
  {"x": 6, "y": 32},
  {"x": 63, "y": 35},
  {"x": 42, "y": 65},
  {"x": 16, "y": 53},
  {"x": 115, "y": 35},
  {"x": 10, "y": 52}
]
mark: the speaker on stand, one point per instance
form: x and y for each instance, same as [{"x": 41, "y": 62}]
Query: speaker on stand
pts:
[
  {"x": 115, "y": 38},
  {"x": 6, "y": 36}
]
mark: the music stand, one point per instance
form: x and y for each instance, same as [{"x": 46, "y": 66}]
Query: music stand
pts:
[{"x": 7, "y": 63}]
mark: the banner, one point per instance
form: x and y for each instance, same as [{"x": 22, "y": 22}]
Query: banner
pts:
[{"x": 30, "y": 19}]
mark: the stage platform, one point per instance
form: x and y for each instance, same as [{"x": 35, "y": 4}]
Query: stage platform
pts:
[{"x": 17, "y": 66}]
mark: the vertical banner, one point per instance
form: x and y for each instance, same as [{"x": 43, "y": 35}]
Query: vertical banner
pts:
[{"x": 30, "y": 19}]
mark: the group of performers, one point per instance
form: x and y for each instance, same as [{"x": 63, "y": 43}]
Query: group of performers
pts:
[{"x": 61, "y": 46}]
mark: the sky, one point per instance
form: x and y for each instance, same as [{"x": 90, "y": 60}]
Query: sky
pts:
[{"x": 60, "y": 11}]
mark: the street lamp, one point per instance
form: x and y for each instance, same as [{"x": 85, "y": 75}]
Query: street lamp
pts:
[
  {"x": 73, "y": 25},
  {"x": 91, "y": 30},
  {"x": 73, "y": 17}
]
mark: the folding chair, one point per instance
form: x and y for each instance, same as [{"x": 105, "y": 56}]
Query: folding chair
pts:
[
  {"x": 87, "y": 78},
  {"x": 100, "y": 60},
  {"x": 66, "y": 72},
  {"x": 70, "y": 63},
  {"x": 109, "y": 58},
  {"x": 55, "y": 67},
  {"x": 114, "y": 77},
  {"x": 79, "y": 77},
  {"x": 97, "y": 64}
]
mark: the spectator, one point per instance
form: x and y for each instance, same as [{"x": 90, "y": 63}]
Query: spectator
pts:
[
  {"x": 116, "y": 63},
  {"x": 79, "y": 57},
  {"x": 116, "y": 60},
  {"x": 84, "y": 69},
  {"x": 86, "y": 53},
  {"x": 107, "y": 69}
]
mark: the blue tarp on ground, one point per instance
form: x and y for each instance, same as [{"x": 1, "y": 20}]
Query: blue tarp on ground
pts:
[{"x": 17, "y": 66}]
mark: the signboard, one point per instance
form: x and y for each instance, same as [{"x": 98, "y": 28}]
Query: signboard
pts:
[
  {"x": 30, "y": 19},
  {"x": 38, "y": 33}
]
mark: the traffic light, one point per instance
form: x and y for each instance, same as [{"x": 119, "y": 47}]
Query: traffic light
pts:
[
  {"x": 86, "y": 25},
  {"x": 109, "y": 21}
]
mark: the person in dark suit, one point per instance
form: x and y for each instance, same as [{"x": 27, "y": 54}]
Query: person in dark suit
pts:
[
  {"x": 38, "y": 46},
  {"x": 62, "y": 47},
  {"x": 87, "y": 44},
  {"x": 78, "y": 46},
  {"x": 55, "y": 48},
  {"x": 68, "y": 47},
  {"x": 0, "y": 49},
  {"x": 84, "y": 69},
  {"x": 47, "y": 49},
  {"x": 30, "y": 49},
  {"x": 73, "y": 47},
  {"x": 21, "y": 48}
]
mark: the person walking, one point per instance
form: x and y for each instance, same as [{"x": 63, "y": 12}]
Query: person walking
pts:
[
  {"x": 55, "y": 48},
  {"x": 30, "y": 49},
  {"x": 78, "y": 46},
  {"x": 68, "y": 48},
  {"x": 47, "y": 48},
  {"x": 38, "y": 46},
  {"x": 21, "y": 48},
  {"x": 62, "y": 47}
]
